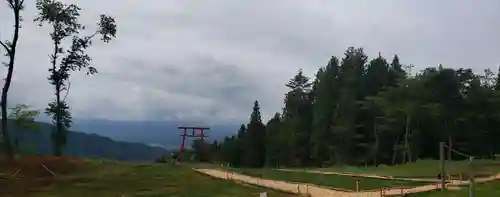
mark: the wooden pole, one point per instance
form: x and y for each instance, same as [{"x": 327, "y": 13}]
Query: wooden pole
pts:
[
  {"x": 441, "y": 162},
  {"x": 183, "y": 139},
  {"x": 15, "y": 173},
  {"x": 48, "y": 170},
  {"x": 357, "y": 185},
  {"x": 202, "y": 141},
  {"x": 471, "y": 178}
]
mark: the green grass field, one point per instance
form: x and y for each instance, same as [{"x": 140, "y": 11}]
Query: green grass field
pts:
[
  {"x": 116, "y": 179},
  {"x": 333, "y": 181},
  {"x": 422, "y": 169}
]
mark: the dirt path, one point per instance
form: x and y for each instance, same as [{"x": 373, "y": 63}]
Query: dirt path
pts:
[
  {"x": 373, "y": 176},
  {"x": 317, "y": 191},
  {"x": 296, "y": 188},
  {"x": 451, "y": 183}
]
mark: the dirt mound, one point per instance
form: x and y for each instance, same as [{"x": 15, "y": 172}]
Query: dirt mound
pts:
[{"x": 34, "y": 166}]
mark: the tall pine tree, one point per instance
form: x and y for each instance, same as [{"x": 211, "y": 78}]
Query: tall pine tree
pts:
[
  {"x": 297, "y": 119},
  {"x": 324, "y": 106},
  {"x": 345, "y": 125},
  {"x": 274, "y": 142},
  {"x": 255, "y": 139}
]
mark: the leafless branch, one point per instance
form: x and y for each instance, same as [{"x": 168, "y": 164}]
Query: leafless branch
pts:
[
  {"x": 5, "y": 46},
  {"x": 94, "y": 34},
  {"x": 11, "y": 3},
  {"x": 67, "y": 91}
]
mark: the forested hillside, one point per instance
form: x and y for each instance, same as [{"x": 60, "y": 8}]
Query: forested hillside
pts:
[
  {"x": 366, "y": 112},
  {"x": 38, "y": 142}
]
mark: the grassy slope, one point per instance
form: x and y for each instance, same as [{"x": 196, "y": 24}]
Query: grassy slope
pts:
[
  {"x": 421, "y": 168},
  {"x": 335, "y": 181},
  {"x": 117, "y": 179}
]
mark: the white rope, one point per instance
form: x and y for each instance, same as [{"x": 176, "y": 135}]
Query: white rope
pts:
[
  {"x": 467, "y": 155},
  {"x": 458, "y": 152}
]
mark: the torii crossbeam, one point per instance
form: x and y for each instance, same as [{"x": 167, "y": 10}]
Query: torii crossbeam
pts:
[{"x": 193, "y": 134}]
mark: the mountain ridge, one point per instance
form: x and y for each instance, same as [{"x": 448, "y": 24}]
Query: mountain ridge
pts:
[
  {"x": 80, "y": 144},
  {"x": 159, "y": 133}
]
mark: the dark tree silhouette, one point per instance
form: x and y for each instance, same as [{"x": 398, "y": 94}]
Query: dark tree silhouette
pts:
[{"x": 10, "y": 48}]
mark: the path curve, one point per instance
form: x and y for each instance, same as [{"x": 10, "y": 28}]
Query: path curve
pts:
[
  {"x": 315, "y": 191},
  {"x": 452, "y": 182},
  {"x": 370, "y": 176}
]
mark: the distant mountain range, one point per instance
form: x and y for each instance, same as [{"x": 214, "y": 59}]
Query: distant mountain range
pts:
[
  {"x": 83, "y": 145},
  {"x": 154, "y": 133},
  {"x": 118, "y": 140}
]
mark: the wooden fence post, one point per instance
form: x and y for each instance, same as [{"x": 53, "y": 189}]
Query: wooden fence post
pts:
[{"x": 357, "y": 185}]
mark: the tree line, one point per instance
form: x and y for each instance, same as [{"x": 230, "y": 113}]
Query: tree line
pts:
[
  {"x": 360, "y": 112},
  {"x": 68, "y": 54}
]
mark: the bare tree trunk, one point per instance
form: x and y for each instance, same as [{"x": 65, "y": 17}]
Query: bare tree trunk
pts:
[
  {"x": 407, "y": 136},
  {"x": 450, "y": 143},
  {"x": 11, "y": 51},
  {"x": 375, "y": 153},
  {"x": 59, "y": 128},
  {"x": 404, "y": 156},
  {"x": 491, "y": 152},
  {"x": 449, "y": 139},
  {"x": 394, "y": 153},
  {"x": 5, "y": 133},
  {"x": 56, "y": 135}
]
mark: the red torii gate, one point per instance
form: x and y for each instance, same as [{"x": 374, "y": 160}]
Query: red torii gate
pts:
[{"x": 193, "y": 130}]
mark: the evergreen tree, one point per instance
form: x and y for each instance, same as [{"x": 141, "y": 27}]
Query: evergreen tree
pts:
[
  {"x": 298, "y": 119},
  {"x": 375, "y": 79},
  {"x": 396, "y": 72},
  {"x": 324, "y": 106},
  {"x": 230, "y": 148},
  {"x": 347, "y": 138},
  {"x": 274, "y": 142},
  {"x": 256, "y": 139},
  {"x": 240, "y": 146}
]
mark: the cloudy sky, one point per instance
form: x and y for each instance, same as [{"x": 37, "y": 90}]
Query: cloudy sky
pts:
[{"x": 208, "y": 60}]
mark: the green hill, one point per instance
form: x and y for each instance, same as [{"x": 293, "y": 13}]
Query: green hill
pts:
[{"x": 83, "y": 145}]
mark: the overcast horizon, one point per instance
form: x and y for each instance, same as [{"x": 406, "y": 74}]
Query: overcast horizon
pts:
[{"x": 200, "y": 60}]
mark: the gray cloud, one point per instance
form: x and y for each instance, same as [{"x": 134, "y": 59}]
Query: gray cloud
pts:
[{"x": 208, "y": 60}]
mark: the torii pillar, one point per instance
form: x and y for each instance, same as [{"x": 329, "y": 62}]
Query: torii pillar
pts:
[{"x": 196, "y": 132}]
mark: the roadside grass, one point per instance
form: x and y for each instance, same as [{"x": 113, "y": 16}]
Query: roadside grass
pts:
[
  {"x": 331, "y": 181},
  {"x": 105, "y": 179}
]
